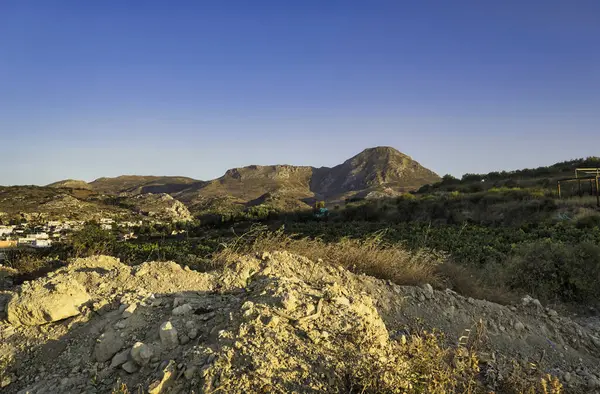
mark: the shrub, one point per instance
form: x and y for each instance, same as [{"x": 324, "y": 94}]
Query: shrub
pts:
[
  {"x": 91, "y": 240},
  {"x": 555, "y": 271}
]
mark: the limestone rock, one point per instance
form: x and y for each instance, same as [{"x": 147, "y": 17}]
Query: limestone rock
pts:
[
  {"x": 107, "y": 346},
  {"x": 168, "y": 335},
  {"x": 182, "y": 309},
  {"x": 120, "y": 358},
  {"x": 128, "y": 312},
  {"x": 47, "y": 301},
  {"x": 168, "y": 375},
  {"x": 130, "y": 367},
  {"x": 428, "y": 290},
  {"x": 141, "y": 353}
]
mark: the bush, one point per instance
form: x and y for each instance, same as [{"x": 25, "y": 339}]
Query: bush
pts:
[
  {"x": 555, "y": 271},
  {"x": 92, "y": 240}
]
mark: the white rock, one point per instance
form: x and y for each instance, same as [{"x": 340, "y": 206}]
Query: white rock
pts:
[
  {"x": 128, "y": 312},
  {"x": 182, "y": 310},
  {"x": 46, "y": 302},
  {"x": 141, "y": 353},
  {"x": 428, "y": 290},
  {"x": 168, "y": 335}
]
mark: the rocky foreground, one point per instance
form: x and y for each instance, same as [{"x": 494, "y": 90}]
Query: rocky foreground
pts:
[{"x": 271, "y": 323}]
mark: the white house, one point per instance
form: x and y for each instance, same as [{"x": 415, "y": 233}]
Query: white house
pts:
[{"x": 42, "y": 243}]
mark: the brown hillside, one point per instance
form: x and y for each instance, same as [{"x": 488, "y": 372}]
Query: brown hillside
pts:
[
  {"x": 70, "y": 184},
  {"x": 381, "y": 170},
  {"x": 137, "y": 184}
]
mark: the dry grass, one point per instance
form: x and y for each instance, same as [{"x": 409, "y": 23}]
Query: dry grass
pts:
[
  {"x": 375, "y": 257},
  {"x": 417, "y": 364},
  {"x": 371, "y": 256}
]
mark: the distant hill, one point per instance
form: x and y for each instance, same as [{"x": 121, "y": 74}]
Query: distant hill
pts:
[
  {"x": 376, "y": 172},
  {"x": 374, "y": 168},
  {"x": 138, "y": 184},
  {"x": 381, "y": 169},
  {"x": 35, "y": 202},
  {"x": 70, "y": 184},
  {"x": 543, "y": 177}
]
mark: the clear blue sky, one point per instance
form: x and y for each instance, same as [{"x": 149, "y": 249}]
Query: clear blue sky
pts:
[{"x": 103, "y": 88}]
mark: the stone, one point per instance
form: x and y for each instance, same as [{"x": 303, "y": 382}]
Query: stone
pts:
[
  {"x": 519, "y": 326},
  {"x": 182, "y": 309},
  {"x": 121, "y": 324},
  {"x": 567, "y": 377},
  {"x": 120, "y": 358},
  {"x": 168, "y": 335},
  {"x": 266, "y": 256},
  {"x": 342, "y": 301},
  {"x": 289, "y": 301},
  {"x": 193, "y": 333},
  {"x": 162, "y": 385},
  {"x": 130, "y": 367},
  {"x": 47, "y": 301},
  {"x": 141, "y": 353},
  {"x": 178, "y": 301},
  {"x": 100, "y": 307},
  {"x": 128, "y": 312},
  {"x": 428, "y": 290},
  {"x": 552, "y": 313},
  {"x": 107, "y": 346},
  {"x": 6, "y": 381},
  {"x": 184, "y": 339},
  {"x": 190, "y": 372}
]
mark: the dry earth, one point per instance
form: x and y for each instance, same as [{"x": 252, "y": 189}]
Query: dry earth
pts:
[{"x": 278, "y": 323}]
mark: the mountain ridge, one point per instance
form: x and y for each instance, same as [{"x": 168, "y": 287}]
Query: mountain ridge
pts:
[{"x": 381, "y": 169}]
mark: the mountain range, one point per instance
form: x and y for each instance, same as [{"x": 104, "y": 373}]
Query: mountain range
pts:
[
  {"x": 377, "y": 169},
  {"x": 375, "y": 172}
]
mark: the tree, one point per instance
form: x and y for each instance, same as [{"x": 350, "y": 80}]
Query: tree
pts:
[{"x": 92, "y": 239}]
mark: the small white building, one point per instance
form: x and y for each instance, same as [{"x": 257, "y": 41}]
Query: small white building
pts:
[
  {"x": 27, "y": 241},
  {"x": 42, "y": 243}
]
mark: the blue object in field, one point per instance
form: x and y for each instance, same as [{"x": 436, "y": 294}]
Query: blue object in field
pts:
[{"x": 322, "y": 212}]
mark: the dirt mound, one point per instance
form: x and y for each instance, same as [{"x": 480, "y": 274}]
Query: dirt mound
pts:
[{"x": 278, "y": 323}]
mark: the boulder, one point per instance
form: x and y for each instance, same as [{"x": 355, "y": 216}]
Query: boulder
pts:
[
  {"x": 141, "y": 353},
  {"x": 107, "y": 346},
  {"x": 168, "y": 335},
  {"x": 47, "y": 301}
]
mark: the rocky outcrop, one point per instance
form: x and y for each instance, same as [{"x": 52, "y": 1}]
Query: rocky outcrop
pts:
[
  {"x": 273, "y": 322},
  {"x": 161, "y": 206},
  {"x": 47, "y": 301}
]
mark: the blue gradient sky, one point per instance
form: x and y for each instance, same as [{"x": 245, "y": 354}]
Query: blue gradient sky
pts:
[{"x": 103, "y": 88}]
